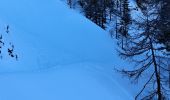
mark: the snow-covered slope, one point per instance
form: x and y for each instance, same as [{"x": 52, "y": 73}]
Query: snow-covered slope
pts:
[
  {"x": 54, "y": 34},
  {"x": 62, "y": 55}
]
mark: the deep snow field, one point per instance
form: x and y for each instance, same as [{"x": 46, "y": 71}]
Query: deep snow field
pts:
[{"x": 61, "y": 55}]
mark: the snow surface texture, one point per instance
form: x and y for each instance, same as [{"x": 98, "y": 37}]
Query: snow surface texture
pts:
[{"x": 62, "y": 55}]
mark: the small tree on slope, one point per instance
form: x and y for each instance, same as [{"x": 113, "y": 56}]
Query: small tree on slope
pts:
[{"x": 4, "y": 45}]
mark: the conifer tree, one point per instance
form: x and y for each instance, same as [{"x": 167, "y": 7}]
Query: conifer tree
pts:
[{"x": 124, "y": 21}]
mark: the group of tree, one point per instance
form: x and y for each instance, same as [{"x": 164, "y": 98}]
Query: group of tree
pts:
[
  {"x": 145, "y": 41},
  {"x": 102, "y": 12},
  {"x": 98, "y": 11}
]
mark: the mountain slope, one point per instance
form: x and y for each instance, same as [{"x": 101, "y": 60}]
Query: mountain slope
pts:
[{"x": 61, "y": 54}]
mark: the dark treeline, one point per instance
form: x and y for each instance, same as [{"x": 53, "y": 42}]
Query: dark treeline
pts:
[
  {"x": 145, "y": 40},
  {"x": 98, "y": 11}
]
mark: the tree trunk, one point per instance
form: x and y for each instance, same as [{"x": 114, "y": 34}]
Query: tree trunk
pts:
[{"x": 156, "y": 72}]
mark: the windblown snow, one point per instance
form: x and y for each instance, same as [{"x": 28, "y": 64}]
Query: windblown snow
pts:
[{"x": 61, "y": 55}]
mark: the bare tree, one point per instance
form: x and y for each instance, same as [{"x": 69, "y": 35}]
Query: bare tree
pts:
[{"x": 149, "y": 57}]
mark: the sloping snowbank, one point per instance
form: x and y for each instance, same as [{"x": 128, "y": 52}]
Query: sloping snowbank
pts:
[
  {"x": 47, "y": 36},
  {"x": 53, "y": 34},
  {"x": 68, "y": 83}
]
